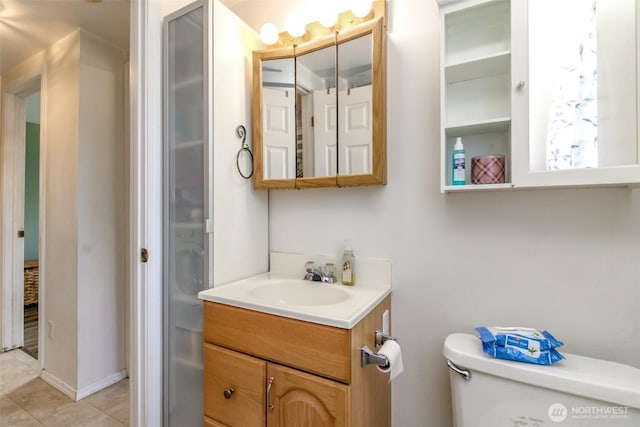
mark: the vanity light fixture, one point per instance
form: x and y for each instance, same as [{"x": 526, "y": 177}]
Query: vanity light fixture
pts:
[{"x": 331, "y": 15}]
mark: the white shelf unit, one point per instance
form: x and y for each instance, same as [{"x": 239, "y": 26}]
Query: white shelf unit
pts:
[
  {"x": 500, "y": 63},
  {"x": 476, "y": 85}
]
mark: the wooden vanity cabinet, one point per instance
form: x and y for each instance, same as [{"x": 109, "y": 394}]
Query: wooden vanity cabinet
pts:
[
  {"x": 277, "y": 381},
  {"x": 233, "y": 387},
  {"x": 300, "y": 399}
]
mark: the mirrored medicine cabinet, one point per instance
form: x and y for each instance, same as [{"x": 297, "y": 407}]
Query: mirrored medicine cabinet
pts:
[{"x": 319, "y": 111}]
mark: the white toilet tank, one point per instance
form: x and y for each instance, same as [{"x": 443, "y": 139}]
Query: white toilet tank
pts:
[{"x": 578, "y": 391}]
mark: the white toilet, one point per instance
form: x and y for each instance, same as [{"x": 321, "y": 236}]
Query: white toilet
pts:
[{"x": 578, "y": 391}]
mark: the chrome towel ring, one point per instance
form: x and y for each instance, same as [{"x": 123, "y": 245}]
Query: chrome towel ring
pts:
[{"x": 241, "y": 132}]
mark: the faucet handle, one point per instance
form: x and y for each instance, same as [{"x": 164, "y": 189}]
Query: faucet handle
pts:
[
  {"x": 310, "y": 266},
  {"x": 329, "y": 269}
]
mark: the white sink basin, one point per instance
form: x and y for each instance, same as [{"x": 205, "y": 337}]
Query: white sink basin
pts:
[
  {"x": 299, "y": 292},
  {"x": 327, "y": 304}
]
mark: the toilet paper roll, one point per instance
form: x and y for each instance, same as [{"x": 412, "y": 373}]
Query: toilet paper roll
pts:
[{"x": 391, "y": 349}]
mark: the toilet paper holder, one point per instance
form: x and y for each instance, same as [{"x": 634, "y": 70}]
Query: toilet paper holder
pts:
[
  {"x": 369, "y": 357},
  {"x": 381, "y": 337}
]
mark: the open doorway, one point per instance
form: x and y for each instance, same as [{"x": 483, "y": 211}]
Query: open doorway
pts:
[
  {"x": 31, "y": 224},
  {"x": 21, "y": 168}
]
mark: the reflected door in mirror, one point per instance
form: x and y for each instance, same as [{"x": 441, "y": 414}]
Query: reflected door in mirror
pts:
[
  {"x": 279, "y": 133},
  {"x": 325, "y": 147},
  {"x": 278, "y": 118},
  {"x": 356, "y": 132},
  {"x": 355, "y": 110}
]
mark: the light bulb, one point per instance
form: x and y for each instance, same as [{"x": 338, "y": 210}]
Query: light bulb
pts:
[
  {"x": 361, "y": 8},
  {"x": 327, "y": 12},
  {"x": 269, "y": 34},
  {"x": 328, "y": 18},
  {"x": 295, "y": 26}
]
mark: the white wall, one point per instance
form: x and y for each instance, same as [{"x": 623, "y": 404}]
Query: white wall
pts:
[
  {"x": 61, "y": 139},
  {"x": 101, "y": 214},
  {"x": 240, "y": 214},
  {"x": 83, "y": 154},
  {"x": 562, "y": 260}
]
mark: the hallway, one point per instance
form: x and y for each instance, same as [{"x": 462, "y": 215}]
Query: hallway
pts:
[{"x": 26, "y": 400}]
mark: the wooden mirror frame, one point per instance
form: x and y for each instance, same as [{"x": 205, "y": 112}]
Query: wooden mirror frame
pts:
[{"x": 378, "y": 176}]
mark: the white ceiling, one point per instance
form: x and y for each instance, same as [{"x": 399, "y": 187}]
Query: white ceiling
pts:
[
  {"x": 258, "y": 12},
  {"x": 29, "y": 26}
]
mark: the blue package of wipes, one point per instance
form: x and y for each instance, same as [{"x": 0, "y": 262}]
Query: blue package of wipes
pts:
[{"x": 520, "y": 344}]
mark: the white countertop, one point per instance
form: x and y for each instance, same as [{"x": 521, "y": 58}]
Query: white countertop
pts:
[{"x": 362, "y": 298}]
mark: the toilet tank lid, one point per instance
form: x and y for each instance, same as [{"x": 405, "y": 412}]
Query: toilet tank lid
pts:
[{"x": 583, "y": 376}]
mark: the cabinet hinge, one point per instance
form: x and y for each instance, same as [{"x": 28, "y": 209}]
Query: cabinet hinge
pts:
[{"x": 144, "y": 255}]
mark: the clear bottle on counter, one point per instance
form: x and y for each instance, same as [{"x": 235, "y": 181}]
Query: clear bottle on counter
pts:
[{"x": 348, "y": 273}]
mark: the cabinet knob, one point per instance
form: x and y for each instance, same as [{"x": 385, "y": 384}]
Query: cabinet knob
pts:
[
  {"x": 520, "y": 84},
  {"x": 227, "y": 393}
]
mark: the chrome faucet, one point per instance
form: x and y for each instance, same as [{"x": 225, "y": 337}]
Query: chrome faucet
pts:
[{"x": 324, "y": 274}]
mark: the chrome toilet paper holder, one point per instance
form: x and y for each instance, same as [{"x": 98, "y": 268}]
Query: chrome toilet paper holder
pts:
[
  {"x": 368, "y": 357},
  {"x": 381, "y": 338}
]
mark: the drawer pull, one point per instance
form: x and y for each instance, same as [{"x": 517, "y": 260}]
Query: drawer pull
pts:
[
  {"x": 227, "y": 393},
  {"x": 269, "y": 404}
]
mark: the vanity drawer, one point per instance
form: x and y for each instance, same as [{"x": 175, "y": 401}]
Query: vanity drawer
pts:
[
  {"x": 244, "y": 377},
  {"x": 319, "y": 349}
]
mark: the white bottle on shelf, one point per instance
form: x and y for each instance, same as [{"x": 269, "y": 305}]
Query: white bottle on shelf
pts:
[{"x": 458, "y": 163}]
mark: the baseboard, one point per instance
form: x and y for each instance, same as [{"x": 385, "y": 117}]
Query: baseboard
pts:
[
  {"x": 58, "y": 384},
  {"x": 99, "y": 385},
  {"x": 84, "y": 391}
]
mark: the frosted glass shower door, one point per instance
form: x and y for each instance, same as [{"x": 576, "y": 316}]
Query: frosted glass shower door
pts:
[{"x": 185, "y": 248}]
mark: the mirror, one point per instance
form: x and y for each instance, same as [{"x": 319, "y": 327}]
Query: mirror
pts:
[
  {"x": 277, "y": 111},
  {"x": 355, "y": 106},
  {"x": 333, "y": 131},
  {"x": 316, "y": 100}
]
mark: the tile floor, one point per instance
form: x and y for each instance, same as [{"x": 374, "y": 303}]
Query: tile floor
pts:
[{"x": 26, "y": 400}]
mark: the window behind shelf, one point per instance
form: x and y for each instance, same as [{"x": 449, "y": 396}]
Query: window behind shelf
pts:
[{"x": 572, "y": 135}]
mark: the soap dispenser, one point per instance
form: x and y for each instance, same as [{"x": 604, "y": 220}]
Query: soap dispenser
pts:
[
  {"x": 458, "y": 163},
  {"x": 348, "y": 275}
]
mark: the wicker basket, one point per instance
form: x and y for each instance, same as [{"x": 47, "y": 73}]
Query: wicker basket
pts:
[{"x": 31, "y": 279}]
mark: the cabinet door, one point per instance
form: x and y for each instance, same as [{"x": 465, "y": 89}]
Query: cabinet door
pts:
[
  {"x": 234, "y": 387},
  {"x": 208, "y": 422},
  {"x": 185, "y": 188},
  {"x": 301, "y": 399}
]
